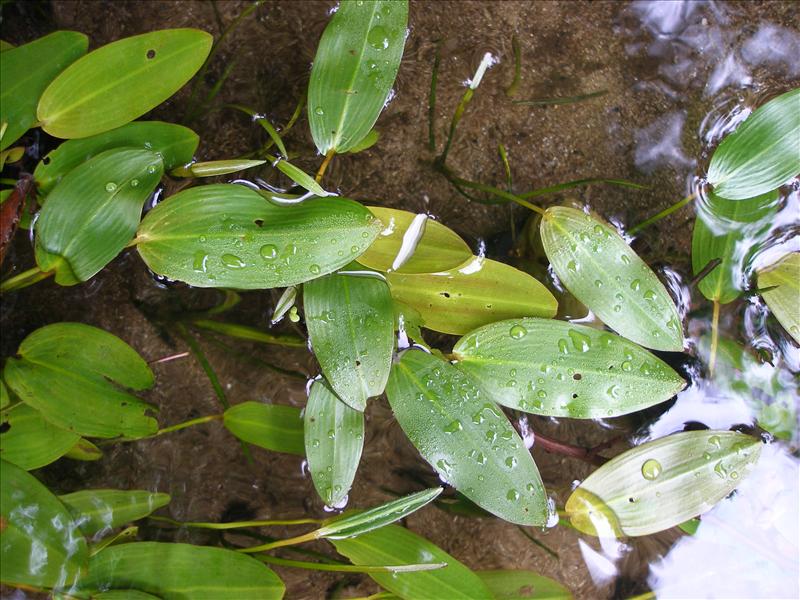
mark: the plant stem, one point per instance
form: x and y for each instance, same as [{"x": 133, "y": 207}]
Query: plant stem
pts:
[
  {"x": 512, "y": 88},
  {"x": 285, "y": 562},
  {"x": 195, "y": 349},
  {"x": 24, "y": 279},
  {"x": 462, "y": 105},
  {"x": 506, "y": 196},
  {"x": 589, "y": 455},
  {"x": 236, "y": 524},
  {"x": 432, "y": 98},
  {"x": 328, "y": 157},
  {"x": 712, "y": 358},
  {"x": 255, "y": 359},
  {"x": 185, "y": 424},
  {"x": 541, "y": 545},
  {"x": 579, "y": 182},
  {"x": 664, "y": 213},
  {"x": 306, "y": 537},
  {"x": 251, "y": 334},
  {"x": 646, "y": 596}
]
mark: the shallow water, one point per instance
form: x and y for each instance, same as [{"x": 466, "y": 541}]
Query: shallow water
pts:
[{"x": 677, "y": 76}]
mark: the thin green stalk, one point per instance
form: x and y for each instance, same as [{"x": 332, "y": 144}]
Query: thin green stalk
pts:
[
  {"x": 293, "y": 549},
  {"x": 512, "y": 89},
  {"x": 577, "y": 183},
  {"x": 437, "y": 58},
  {"x": 254, "y": 359},
  {"x": 285, "y": 562},
  {"x": 664, "y": 213},
  {"x": 265, "y": 124},
  {"x": 215, "y": 89},
  {"x": 24, "y": 279},
  {"x": 299, "y": 539},
  {"x": 195, "y": 349},
  {"x": 712, "y": 358},
  {"x": 462, "y": 106},
  {"x": 646, "y": 596},
  {"x": 251, "y": 334},
  {"x": 501, "y": 149},
  {"x": 561, "y": 99},
  {"x": 236, "y": 524},
  {"x": 328, "y": 158},
  {"x": 507, "y": 196},
  {"x": 539, "y": 543},
  {"x": 185, "y": 424}
]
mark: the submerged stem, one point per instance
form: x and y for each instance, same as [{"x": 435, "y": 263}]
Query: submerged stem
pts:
[
  {"x": 299, "y": 539},
  {"x": 24, "y": 279},
  {"x": 235, "y": 524},
  {"x": 437, "y": 59},
  {"x": 664, "y": 213},
  {"x": 285, "y": 562},
  {"x": 712, "y": 359},
  {"x": 328, "y": 157}
]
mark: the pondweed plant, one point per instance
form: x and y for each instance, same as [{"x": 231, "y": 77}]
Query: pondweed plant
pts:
[{"x": 370, "y": 279}]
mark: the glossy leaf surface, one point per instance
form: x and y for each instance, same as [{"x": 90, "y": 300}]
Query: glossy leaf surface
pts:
[
  {"x": 121, "y": 81},
  {"x": 482, "y": 291},
  {"x": 522, "y": 585},
  {"x": 98, "y": 510},
  {"x": 230, "y": 236},
  {"x": 662, "y": 483},
  {"x": 762, "y": 154},
  {"x": 36, "y": 526},
  {"x": 301, "y": 178},
  {"x": 269, "y": 426},
  {"x": 366, "y": 142},
  {"x": 354, "y": 70},
  {"x": 396, "y": 545},
  {"x": 181, "y": 572},
  {"x": 26, "y": 71},
  {"x": 558, "y": 369},
  {"x": 784, "y": 299},
  {"x": 350, "y": 322},
  {"x": 29, "y": 441},
  {"x": 175, "y": 145},
  {"x": 74, "y": 374},
  {"x": 124, "y": 595},
  {"x": 596, "y": 265},
  {"x": 93, "y": 213},
  {"x": 334, "y": 439},
  {"x": 215, "y": 167},
  {"x": 438, "y": 249},
  {"x": 84, "y": 450},
  {"x": 466, "y": 438},
  {"x": 5, "y": 398}
]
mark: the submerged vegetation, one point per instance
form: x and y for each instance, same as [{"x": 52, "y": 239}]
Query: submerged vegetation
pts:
[{"x": 366, "y": 281}]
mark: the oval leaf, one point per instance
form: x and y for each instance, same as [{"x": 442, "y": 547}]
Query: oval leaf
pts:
[
  {"x": 466, "y": 438},
  {"x": 40, "y": 544},
  {"x": 762, "y": 154},
  {"x": 124, "y": 595},
  {"x": 784, "y": 279},
  {"x": 229, "y": 236},
  {"x": 662, "y": 483},
  {"x": 596, "y": 265},
  {"x": 29, "y": 441},
  {"x": 301, "y": 178},
  {"x": 26, "y": 71},
  {"x": 100, "y": 510},
  {"x": 269, "y": 426},
  {"x": 481, "y": 292},
  {"x": 90, "y": 216},
  {"x": 396, "y": 545},
  {"x": 175, "y": 145},
  {"x": 121, "y": 81},
  {"x": 438, "y": 249},
  {"x": 72, "y": 374},
  {"x": 334, "y": 439},
  {"x": 181, "y": 571},
  {"x": 558, "y": 369},
  {"x": 350, "y": 322},
  {"x": 84, "y": 450},
  {"x": 354, "y": 70},
  {"x": 522, "y": 585},
  {"x": 215, "y": 167}
]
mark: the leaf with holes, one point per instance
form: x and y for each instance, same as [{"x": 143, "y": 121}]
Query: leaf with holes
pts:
[
  {"x": 354, "y": 70},
  {"x": 596, "y": 265},
  {"x": 98, "y": 510},
  {"x": 29, "y": 441},
  {"x": 784, "y": 280},
  {"x": 558, "y": 369},
  {"x": 269, "y": 426}
]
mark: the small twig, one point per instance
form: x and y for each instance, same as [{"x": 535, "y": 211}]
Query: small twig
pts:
[
  {"x": 328, "y": 157},
  {"x": 664, "y": 213},
  {"x": 705, "y": 271},
  {"x": 512, "y": 88},
  {"x": 169, "y": 358}
]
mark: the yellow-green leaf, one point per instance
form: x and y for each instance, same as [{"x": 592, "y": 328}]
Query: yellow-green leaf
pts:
[
  {"x": 522, "y": 585},
  {"x": 269, "y": 426},
  {"x": 215, "y": 167},
  {"x": 99, "y": 510},
  {"x": 784, "y": 297},
  {"x": 30, "y": 441}
]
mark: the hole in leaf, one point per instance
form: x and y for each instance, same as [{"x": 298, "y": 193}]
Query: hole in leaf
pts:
[
  {"x": 259, "y": 222},
  {"x": 151, "y": 54},
  {"x": 5, "y": 427},
  {"x": 577, "y": 377},
  {"x": 358, "y": 363},
  {"x": 46, "y": 160},
  {"x": 445, "y": 294},
  {"x": 574, "y": 395}
]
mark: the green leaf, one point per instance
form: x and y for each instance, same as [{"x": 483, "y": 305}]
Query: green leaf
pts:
[
  {"x": 596, "y": 265},
  {"x": 121, "y": 81},
  {"x": 229, "y": 236},
  {"x": 350, "y": 322},
  {"x": 5, "y": 399},
  {"x": 301, "y": 178},
  {"x": 354, "y": 70},
  {"x": 180, "y": 572},
  {"x": 215, "y": 167},
  {"x": 522, "y": 585},
  {"x": 439, "y": 248},
  {"x": 29, "y": 441},
  {"x": 73, "y": 374},
  {"x": 481, "y": 292},
  {"x": 175, "y": 145},
  {"x": 558, "y": 369},
  {"x": 731, "y": 231},
  {"x": 269, "y": 426},
  {"x": 98, "y": 510},
  {"x": 84, "y": 450},
  {"x": 762, "y": 154},
  {"x": 784, "y": 278},
  {"x": 466, "y": 438},
  {"x": 367, "y": 141},
  {"x": 4, "y": 45},
  {"x": 40, "y": 544},
  {"x": 26, "y": 71},
  {"x": 124, "y": 595},
  {"x": 396, "y": 545},
  {"x": 662, "y": 483},
  {"x": 334, "y": 439},
  {"x": 93, "y": 212}
]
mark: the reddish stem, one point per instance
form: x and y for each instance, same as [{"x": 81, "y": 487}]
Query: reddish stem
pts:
[{"x": 589, "y": 455}]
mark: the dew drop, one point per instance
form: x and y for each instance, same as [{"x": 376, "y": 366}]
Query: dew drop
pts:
[
  {"x": 625, "y": 259},
  {"x": 319, "y": 111},
  {"x": 563, "y": 347},
  {"x": 512, "y": 495},
  {"x": 626, "y": 365},
  {"x": 378, "y": 37},
  {"x": 200, "y": 263},
  {"x": 517, "y": 332},
  {"x": 650, "y": 295},
  {"x": 232, "y": 261},
  {"x": 314, "y": 269},
  {"x": 635, "y": 285},
  {"x": 453, "y": 427},
  {"x": 111, "y": 186},
  {"x": 511, "y": 462},
  {"x": 572, "y": 266},
  {"x": 134, "y": 182},
  {"x": 598, "y": 283},
  {"x": 651, "y": 469},
  {"x": 268, "y": 251}
]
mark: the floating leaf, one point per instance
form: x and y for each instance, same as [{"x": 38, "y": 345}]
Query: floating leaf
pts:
[
  {"x": 784, "y": 279},
  {"x": 762, "y": 154},
  {"x": 93, "y": 212},
  {"x": 334, "y": 439},
  {"x": 596, "y": 265},
  {"x": 175, "y": 145},
  {"x": 350, "y": 322},
  {"x": 121, "y": 81},
  {"x": 98, "y": 510},
  {"x": 483, "y": 291},
  {"x": 180, "y": 571},
  {"x": 396, "y": 545},
  {"x": 367, "y": 141},
  {"x": 662, "y": 483},
  {"x": 301, "y": 178},
  {"x": 730, "y": 231},
  {"x": 354, "y": 70},
  {"x": 466, "y": 438},
  {"x": 558, "y": 369},
  {"x": 215, "y": 167},
  {"x": 229, "y": 236},
  {"x": 84, "y": 450},
  {"x": 438, "y": 249},
  {"x": 269, "y": 426},
  {"x": 26, "y": 71},
  {"x": 73, "y": 374},
  {"x": 40, "y": 544},
  {"x": 29, "y": 441},
  {"x": 522, "y": 585}
]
